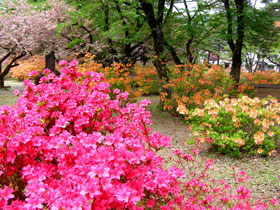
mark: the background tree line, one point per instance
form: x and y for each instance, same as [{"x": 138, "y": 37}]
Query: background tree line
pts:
[{"x": 159, "y": 31}]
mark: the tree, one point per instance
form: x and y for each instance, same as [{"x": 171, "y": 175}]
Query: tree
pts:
[
  {"x": 196, "y": 25},
  {"x": 235, "y": 35},
  {"x": 15, "y": 35},
  {"x": 25, "y": 29},
  {"x": 260, "y": 35},
  {"x": 271, "y": 45},
  {"x": 121, "y": 28},
  {"x": 155, "y": 20}
]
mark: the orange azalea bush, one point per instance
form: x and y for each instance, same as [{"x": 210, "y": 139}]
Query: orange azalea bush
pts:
[
  {"x": 238, "y": 125},
  {"x": 147, "y": 79},
  {"x": 117, "y": 74},
  {"x": 192, "y": 85},
  {"x": 34, "y": 63},
  {"x": 264, "y": 77}
]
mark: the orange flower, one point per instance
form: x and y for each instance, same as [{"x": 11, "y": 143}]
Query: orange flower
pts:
[
  {"x": 259, "y": 151},
  {"x": 213, "y": 112},
  {"x": 182, "y": 110},
  {"x": 270, "y": 133},
  {"x": 195, "y": 133},
  {"x": 272, "y": 152},
  {"x": 236, "y": 124},
  {"x": 185, "y": 99},
  {"x": 253, "y": 113},
  {"x": 259, "y": 137},
  {"x": 198, "y": 112},
  {"x": 240, "y": 142},
  {"x": 257, "y": 121}
]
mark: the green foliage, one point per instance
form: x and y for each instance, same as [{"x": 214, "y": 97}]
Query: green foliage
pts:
[{"x": 40, "y": 4}]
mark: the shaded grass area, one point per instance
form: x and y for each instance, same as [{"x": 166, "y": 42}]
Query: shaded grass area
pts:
[
  {"x": 6, "y": 95},
  {"x": 7, "y": 100}
]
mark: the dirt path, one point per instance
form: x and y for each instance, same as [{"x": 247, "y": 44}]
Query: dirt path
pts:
[{"x": 167, "y": 124}]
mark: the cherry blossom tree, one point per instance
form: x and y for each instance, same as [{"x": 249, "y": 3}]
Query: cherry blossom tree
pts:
[
  {"x": 25, "y": 29},
  {"x": 15, "y": 35}
]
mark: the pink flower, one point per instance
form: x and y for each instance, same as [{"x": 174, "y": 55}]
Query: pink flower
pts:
[
  {"x": 177, "y": 152},
  {"x": 122, "y": 96},
  {"x": 6, "y": 193},
  {"x": 209, "y": 163},
  {"x": 195, "y": 151},
  {"x": 144, "y": 103},
  {"x": 46, "y": 71},
  {"x": 73, "y": 63},
  {"x": 273, "y": 201},
  {"x": 242, "y": 176},
  {"x": 188, "y": 157},
  {"x": 62, "y": 63},
  {"x": 116, "y": 91},
  {"x": 16, "y": 92},
  {"x": 33, "y": 73},
  {"x": 77, "y": 148}
]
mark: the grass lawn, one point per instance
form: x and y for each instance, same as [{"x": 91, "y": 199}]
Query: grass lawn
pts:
[{"x": 6, "y": 96}]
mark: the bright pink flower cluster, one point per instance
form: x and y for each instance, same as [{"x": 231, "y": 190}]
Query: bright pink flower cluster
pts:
[{"x": 67, "y": 145}]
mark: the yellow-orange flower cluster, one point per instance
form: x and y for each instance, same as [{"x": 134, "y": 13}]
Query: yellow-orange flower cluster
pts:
[
  {"x": 34, "y": 63},
  {"x": 244, "y": 121}
]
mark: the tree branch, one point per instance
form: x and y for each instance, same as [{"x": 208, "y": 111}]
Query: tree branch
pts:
[
  {"x": 5, "y": 57},
  {"x": 172, "y": 52},
  {"x": 160, "y": 11},
  {"x": 187, "y": 10},
  {"x": 11, "y": 64},
  {"x": 240, "y": 24},
  {"x": 169, "y": 11},
  {"x": 229, "y": 25},
  {"x": 268, "y": 58}
]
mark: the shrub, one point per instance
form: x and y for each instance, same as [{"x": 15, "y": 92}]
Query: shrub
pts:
[
  {"x": 116, "y": 74},
  {"x": 67, "y": 145},
  {"x": 239, "y": 125},
  {"x": 192, "y": 85},
  {"x": 261, "y": 77},
  {"x": 34, "y": 63},
  {"x": 147, "y": 79}
]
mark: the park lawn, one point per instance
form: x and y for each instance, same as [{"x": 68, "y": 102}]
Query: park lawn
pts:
[
  {"x": 8, "y": 100},
  {"x": 6, "y": 95},
  {"x": 264, "y": 172}
]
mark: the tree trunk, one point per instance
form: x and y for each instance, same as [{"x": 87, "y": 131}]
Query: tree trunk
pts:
[
  {"x": 155, "y": 23},
  {"x": 236, "y": 66},
  {"x": 208, "y": 56},
  {"x": 262, "y": 66},
  {"x": 1, "y": 81},
  {"x": 50, "y": 61},
  {"x": 219, "y": 51},
  {"x": 236, "y": 47},
  {"x": 12, "y": 63},
  {"x": 49, "y": 64},
  {"x": 190, "y": 58}
]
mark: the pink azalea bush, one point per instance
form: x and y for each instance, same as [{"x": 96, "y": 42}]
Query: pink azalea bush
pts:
[{"x": 67, "y": 145}]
